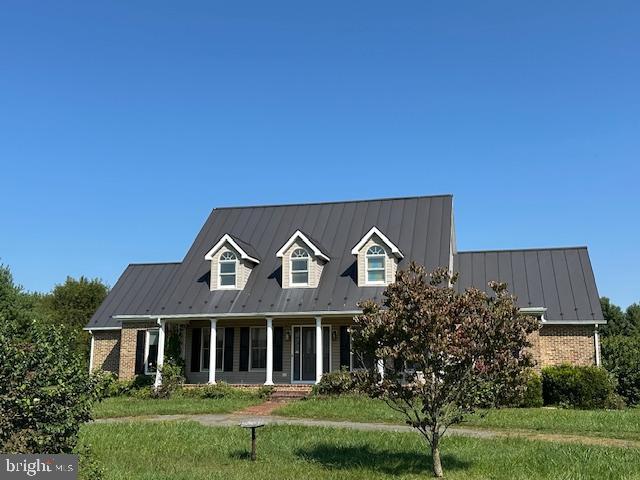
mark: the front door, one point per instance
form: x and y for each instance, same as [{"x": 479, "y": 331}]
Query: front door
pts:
[{"x": 304, "y": 352}]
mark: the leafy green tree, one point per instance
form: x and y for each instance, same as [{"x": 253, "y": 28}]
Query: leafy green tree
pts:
[
  {"x": 73, "y": 302},
  {"x": 445, "y": 353},
  {"x": 15, "y": 304},
  {"x": 71, "y": 305},
  {"x": 621, "y": 356},
  {"x": 620, "y": 322}
]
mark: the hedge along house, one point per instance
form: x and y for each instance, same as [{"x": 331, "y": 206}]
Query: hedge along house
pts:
[{"x": 266, "y": 295}]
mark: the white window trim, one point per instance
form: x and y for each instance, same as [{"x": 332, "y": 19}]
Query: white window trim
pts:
[
  {"x": 299, "y": 235},
  {"x": 146, "y": 350},
  {"x": 219, "y": 331},
  {"x": 374, "y": 231},
  {"x": 226, "y": 238},
  {"x": 328, "y": 327},
  {"x": 308, "y": 259},
  {"x": 235, "y": 274},
  {"x": 367, "y": 256},
  {"x": 251, "y": 329}
]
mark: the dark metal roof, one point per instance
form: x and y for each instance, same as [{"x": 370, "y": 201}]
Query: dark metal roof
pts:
[
  {"x": 139, "y": 287},
  {"x": 560, "y": 279},
  {"x": 419, "y": 226},
  {"x": 249, "y": 250}
]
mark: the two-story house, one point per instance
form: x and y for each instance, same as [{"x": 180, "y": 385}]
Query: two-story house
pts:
[{"x": 266, "y": 294}]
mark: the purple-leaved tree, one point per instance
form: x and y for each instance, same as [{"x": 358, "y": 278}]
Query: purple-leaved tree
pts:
[{"x": 442, "y": 353}]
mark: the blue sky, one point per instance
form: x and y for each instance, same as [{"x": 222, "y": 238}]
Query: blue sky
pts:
[{"x": 123, "y": 123}]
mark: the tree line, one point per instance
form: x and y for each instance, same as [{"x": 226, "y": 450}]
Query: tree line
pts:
[{"x": 68, "y": 306}]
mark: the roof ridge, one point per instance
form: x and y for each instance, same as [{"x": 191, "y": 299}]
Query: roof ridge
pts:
[
  {"x": 334, "y": 202},
  {"x": 139, "y": 264},
  {"x": 532, "y": 249}
]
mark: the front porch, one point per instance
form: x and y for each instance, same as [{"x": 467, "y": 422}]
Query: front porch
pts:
[{"x": 267, "y": 351}]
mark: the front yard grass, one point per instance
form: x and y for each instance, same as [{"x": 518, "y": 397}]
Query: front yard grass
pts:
[
  {"x": 131, "y": 406},
  {"x": 624, "y": 424},
  {"x": 187, "y": 450}
]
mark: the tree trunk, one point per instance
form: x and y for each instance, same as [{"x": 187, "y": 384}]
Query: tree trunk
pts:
[{"x": 435, "y": 456}]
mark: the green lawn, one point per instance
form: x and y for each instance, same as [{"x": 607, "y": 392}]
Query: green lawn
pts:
[
  {"x": 615, "y": 423},
  {"x": 129, "y": 406},
  {"x": 189, "y": 451}
]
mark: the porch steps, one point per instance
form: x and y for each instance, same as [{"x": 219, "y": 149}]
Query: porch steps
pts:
[{"x": 285, "y": 393}]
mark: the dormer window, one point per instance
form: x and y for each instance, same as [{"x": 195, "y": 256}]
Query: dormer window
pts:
[
  {"x": 231, "y": 263},
  {"x": 377, "y": 259},
  {"x": 300, "y": 267},
  {"x": 228, "y": 270},
  {"x": 376, "y": 265},
  {"x": 302, "y": 261}
]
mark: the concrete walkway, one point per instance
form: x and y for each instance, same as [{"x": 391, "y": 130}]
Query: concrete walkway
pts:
[{"x": 234, "y": 419}]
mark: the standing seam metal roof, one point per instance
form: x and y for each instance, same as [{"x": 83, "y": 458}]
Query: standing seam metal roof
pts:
[
  {"x": 560, "y": 279},
  {"x": 419, "y": 226}
]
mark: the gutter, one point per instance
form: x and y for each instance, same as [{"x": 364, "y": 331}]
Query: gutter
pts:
[{"x": 185, "y": 316}]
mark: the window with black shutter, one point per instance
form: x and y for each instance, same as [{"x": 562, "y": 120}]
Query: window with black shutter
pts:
[
  {"x": 196, "y": 339},
  {"x": 244, "y": 349},
  {"x": 278, "y": 341}
]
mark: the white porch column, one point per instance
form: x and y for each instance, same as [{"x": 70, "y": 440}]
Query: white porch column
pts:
[
  {"x": 160, "y": 360},
  {"x": 269, "y": 374},
  {"x": 318, "y": 349},
  {"x": 212, "y": 351},
  {"x": 380, "y": 365},
  {"x": 91, "y": 352}
]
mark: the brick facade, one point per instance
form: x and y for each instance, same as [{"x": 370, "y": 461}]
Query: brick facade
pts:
[
  {"x": 106, "y": 350},
  {"x": 573, "y": 344},
  {"x": 128, "y": 347}
]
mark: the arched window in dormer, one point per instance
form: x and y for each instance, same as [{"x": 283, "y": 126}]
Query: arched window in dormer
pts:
[
  {"x": 228, "y": 270},
  {"x": 299, "y": 267},
  {"x": 376, "y": 258}
]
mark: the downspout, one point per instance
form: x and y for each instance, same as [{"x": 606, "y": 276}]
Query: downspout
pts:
[
  {"x": 91, "y": 351},
  {"x": 596, "y": 341}
]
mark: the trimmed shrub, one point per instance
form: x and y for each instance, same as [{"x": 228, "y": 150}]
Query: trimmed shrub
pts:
[
  {"x": 621, "y": 356},
  {"x": 580, "y": 387},
  {"x": 532, "y": 396},
  {"x": 224, "y": 390},
  {"x": 339, "y": 382}
]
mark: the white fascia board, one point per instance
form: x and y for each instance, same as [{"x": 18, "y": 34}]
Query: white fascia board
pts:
[
  {"x": 574, "y": 322},
  {"x": 374, "y": 231},
  {"x": 227, "y": 238},
  {"x": 298, "y": 234}
]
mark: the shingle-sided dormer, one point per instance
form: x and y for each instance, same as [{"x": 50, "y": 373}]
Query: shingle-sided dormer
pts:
[
  {"x": 302, "y": 262},
  {"x": 377, "y": 259},
  {"x": 231, "y": 263}
]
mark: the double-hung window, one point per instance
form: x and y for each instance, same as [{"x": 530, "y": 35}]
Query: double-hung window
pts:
[
  {"x": 205, "y": 350},
  {"x": 376, "y": 259},
  {"x": 258, "y": 347},
  {"x": 151, "y": 351},
  {"x": 299, "y": 267},
  {"x": 228, "y": 270}
]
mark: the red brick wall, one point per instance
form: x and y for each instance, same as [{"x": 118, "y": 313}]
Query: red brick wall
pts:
[
  {"x": 558, "y": 344},
  {"x": 106, "y": 350},
  {"x": 128, "y": 347}
]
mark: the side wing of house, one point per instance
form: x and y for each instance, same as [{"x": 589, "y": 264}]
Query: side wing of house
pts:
[{"x": 554, "y": 284}]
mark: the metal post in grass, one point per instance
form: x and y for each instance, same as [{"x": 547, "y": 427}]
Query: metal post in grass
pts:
[{"x": 252, "y": 425}]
